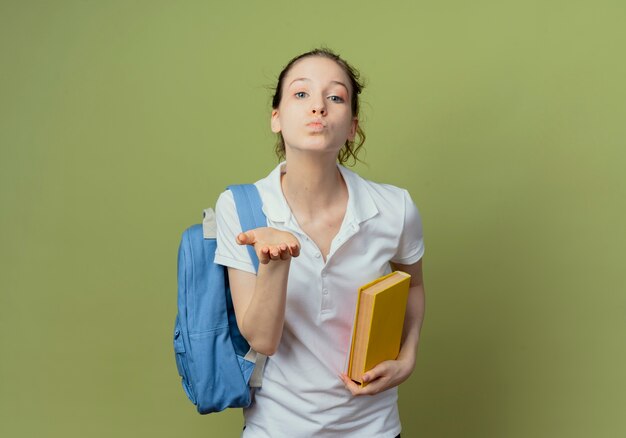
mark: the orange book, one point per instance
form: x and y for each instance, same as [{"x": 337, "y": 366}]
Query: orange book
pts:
[{"x": 378, "y": 323}]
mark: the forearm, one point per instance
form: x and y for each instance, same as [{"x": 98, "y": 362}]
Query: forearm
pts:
[
  {"x": 412, "y": 325},
  {"x": 265, "y": 316}
]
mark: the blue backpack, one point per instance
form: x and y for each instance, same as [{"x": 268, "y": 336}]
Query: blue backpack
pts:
[{"x": 217, "y": 366}]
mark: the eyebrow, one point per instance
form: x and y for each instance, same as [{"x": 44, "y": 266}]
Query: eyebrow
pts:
[{"x": 309, "y": 80}]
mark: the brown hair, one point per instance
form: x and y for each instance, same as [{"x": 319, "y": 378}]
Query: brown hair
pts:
[{"x": 350, "y": 148}]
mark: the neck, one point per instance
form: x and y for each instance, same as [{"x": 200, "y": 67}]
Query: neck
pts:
[{"x": 312, "y": 183}]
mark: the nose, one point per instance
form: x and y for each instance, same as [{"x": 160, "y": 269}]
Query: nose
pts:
[{"x": 318, "y": 107}]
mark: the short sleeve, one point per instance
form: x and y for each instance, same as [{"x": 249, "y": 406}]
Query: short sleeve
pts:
[
  {"x": 411, "y": 243},
  {"x": 228, "y": 251}
]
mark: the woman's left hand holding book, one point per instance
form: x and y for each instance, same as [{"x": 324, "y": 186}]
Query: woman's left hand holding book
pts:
[{"x": 383, "y": 376}]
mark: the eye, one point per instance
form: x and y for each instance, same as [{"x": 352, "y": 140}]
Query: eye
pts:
[
  {"x": 300, "y": 94},
  {"x": 336, "y": 99}
]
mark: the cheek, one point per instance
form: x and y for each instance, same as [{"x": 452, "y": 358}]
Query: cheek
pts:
[{"x": 290, "y": 120}]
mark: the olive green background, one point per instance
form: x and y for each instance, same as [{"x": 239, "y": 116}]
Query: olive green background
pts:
[{"x": 121, "y": 120}]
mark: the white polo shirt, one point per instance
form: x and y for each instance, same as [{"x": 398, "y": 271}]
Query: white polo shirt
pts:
[{"x": 302, "y": 395}]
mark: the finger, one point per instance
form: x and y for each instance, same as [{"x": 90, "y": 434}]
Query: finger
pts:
[
  {"x": 246, "y": 238},
  {"x": 375, "y": 387},
  {"x": 284, "y": 251},
  {"x": 350, "y": 385},
  {"x": 294, "y": 250},
  {"x": 263, "y": 255},
  {"x": 274, "y": 253},
  {"x": 379, "y": 370}
]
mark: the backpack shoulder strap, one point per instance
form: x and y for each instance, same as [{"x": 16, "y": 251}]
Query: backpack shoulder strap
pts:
[{"x": 249, "y": 209}]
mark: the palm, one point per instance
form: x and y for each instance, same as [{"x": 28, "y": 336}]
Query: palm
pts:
[{"x": 271, "y": 244}]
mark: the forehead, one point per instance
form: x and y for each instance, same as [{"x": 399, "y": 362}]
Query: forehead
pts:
[{"x": 317, "y": 69}]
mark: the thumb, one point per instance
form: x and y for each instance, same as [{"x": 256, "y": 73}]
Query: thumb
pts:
[
  {"x": 246, "y": 238},
  {"x": 375, "y": 372}
]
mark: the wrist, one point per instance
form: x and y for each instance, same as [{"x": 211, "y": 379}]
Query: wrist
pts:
[
  {"x": 275, "y": 265},
  {"x": 408, "y": 359}
]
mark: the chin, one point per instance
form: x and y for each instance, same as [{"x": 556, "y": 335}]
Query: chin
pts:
[
  {"x": 315, "y": 146},
  {"x": 320, "y": 151}
]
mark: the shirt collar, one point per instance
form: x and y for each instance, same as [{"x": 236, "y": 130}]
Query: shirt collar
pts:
[{"x": 276, "y": 208}]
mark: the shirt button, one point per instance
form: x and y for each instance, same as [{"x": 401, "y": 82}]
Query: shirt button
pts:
[
  {"x": 318, "y": 255},
  {"x": 325, "y": 291}
]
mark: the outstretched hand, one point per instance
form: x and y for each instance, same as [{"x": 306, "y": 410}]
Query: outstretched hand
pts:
[{"x": 270, "y": 244}]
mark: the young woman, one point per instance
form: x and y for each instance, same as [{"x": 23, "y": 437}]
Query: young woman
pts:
[{"x": 329, "y": 232}]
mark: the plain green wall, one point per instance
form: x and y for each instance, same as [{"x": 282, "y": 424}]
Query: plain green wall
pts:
[{"x": 121, "y": 120}]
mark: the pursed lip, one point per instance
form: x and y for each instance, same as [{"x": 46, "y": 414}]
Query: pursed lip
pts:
[{"x": 317, "y": 122}]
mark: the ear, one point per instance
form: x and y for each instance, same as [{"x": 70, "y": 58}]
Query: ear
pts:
[
  {"x": 275, "y": 122},
  {"x": 353, "y": 127}
]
